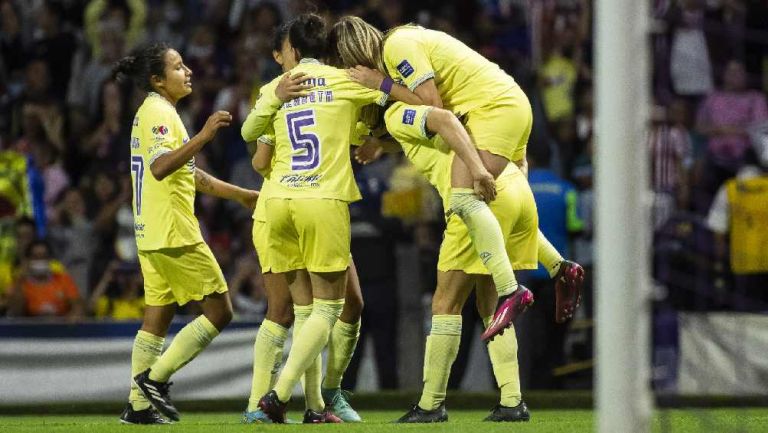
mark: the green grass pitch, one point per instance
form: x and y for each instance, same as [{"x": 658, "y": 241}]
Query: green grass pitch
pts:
[{"x": 542, "y": 421}]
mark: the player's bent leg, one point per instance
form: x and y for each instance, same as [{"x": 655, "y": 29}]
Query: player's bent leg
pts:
[
  {"x": 328, "y": 290},
  {"x": 341, "y": 347}
]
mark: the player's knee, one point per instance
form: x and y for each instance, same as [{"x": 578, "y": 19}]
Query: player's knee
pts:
[
  {"x": 282, "y": 315},
  {"x": 446, "y": 305},
  {"x": 221, "y": 318}
]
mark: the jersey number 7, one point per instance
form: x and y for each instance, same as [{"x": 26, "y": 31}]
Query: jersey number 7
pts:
[
  {"x": 137, "y": 167},
  {"x": 306, "y": 145}
]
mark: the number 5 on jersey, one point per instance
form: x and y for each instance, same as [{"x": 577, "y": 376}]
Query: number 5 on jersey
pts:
[
  {"x": 137, "y": 167},
  {"x": 306, "y": 145}
]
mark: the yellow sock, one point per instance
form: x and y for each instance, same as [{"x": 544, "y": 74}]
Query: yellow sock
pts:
[
  {"x": 548, "y": 255},
  {"x": 308, "y": 344},
  {"x": 267, "y": 357},
  {"x": 442, "y": 348},
  {"x": 486, "y": 235},
  {"x": 503, "y": 353},
  {"x": 187, "y": 344},
  {"x": 341, "y": 347},
  {"x": 146, "y": 349},
  {"x": 311, "y": 379}
]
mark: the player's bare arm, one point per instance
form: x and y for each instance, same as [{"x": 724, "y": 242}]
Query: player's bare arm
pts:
[
  {"x": 175, "y": 159},
  {"x": 210, "y": 185},
  {"x": 444, "y": 123},
  {"x": 373, "y": 147},
  {"x": 373, "y": 79},
  {"x": 262, "y": 159}
]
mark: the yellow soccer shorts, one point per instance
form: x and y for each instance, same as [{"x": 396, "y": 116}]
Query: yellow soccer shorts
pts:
[
  {"x": 311, "y": 234},
  {"x": 179, "y": 275},
  {"x": 503, "y": 126},
  {"x": 260, "y": 235},
  {"x": 515, "y": 210}
]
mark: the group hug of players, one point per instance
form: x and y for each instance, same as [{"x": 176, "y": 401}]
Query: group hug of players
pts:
[{"x": 461, "y": 121}]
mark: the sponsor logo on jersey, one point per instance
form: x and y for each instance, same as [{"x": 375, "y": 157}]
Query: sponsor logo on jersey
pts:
[
  {"x": 134, "y": 142},
  {"x": 160, "y": 130},
  {"x": 409, "y": 116},
  {"x": 136, "y": 121},
  {"x": 405, "y": 69}
]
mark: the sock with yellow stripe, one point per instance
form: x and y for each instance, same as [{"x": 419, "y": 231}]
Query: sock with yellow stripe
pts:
[
  {"x": 187, "y": 344},
  {"x": 308, "y": 344},
  {"x": 341, "y": 347},
  {"x": 486, "y": 235},
  {"x": 442, "y": 348},
  {"x": 503, "y": 353},
  {"x": 311, "y": 379},
  {"x": 548, "y": 255},
  {"x": 146, "y": 349},
  {"x": 267, "y": 356}
]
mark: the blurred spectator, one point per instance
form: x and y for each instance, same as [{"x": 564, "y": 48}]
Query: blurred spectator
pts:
[
  {"x": 739, "y": 212},
  {"x": 71, "y": 234},
  {"x": 671, "y": 160},
  {"x": 103, "y": 16},
  {"x": 15, "y": 236},
  {"x": 556, "y": 201},
  {"x": 557, "y": 78},
  {"x": 119, "y": 295},
  {"x": 41, "y": 289},
  {"x": 108, "y": 198},
  {"x": 106, "y": 146},
  {"x": 690, "y": 65},
  {"x": 54, "y": 44},
  {"x": 89, "y": 73},
  {"x": 726, "y": 33},
  {"x": 725, "y": 117}
]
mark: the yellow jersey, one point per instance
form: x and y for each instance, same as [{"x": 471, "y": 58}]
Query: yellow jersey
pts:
[
  {"x": 749, "y": 233},
  {"x": 427, "y": 152},
  {"x": 312, "y": 133},
  {"x": 465, "y": 79},
  {"x": 163, "y": 211}
]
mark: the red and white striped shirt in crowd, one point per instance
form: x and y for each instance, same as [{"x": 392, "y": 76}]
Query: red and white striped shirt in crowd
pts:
[{"x": 671, "y": 153}]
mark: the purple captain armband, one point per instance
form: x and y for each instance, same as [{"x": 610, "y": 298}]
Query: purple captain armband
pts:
[{"x": 386, "y": 85}]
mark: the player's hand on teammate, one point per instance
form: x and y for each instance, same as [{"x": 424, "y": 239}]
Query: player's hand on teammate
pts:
[
  {"x": 248, "y": 198},
  {"x": 369, "y": 151},
  {"x": 368, "y": 77},
  {"x": 484, "y": 185},
  {"x": 215, "y": 121},
  {"x": 292, "y": 86}
]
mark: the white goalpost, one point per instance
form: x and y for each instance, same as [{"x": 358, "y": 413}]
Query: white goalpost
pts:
[{"x": 622, "y": 86}]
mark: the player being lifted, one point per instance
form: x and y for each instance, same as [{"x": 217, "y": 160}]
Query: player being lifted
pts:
[
  {"x": 311, "y": 185},
  {"x": 268, "y": 347},
  {"x": 431, "y": 138},
  {"x": 443, "y": 72},
  {"x": 176, "y": 263}
]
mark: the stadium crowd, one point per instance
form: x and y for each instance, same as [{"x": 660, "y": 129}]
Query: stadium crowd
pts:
[{"x": 66, "y": 232}]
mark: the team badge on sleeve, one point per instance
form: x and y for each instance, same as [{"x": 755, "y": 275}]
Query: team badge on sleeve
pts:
[
  {"x": 160, "y": 130},
  {"x": 409, "y": 116},
  {"x": 405, "y": 69}
]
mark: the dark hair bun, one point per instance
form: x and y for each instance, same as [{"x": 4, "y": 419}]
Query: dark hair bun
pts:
[
  {"x": 308, "y": 35},
  {"x": 124, "y": 68}
]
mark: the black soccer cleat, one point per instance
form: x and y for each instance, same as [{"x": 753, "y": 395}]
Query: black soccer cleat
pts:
[
  {"x": 158, "y": 394},
  {"x": 146, "y": 416},
  {"x": 419, "y": 415},
  {"x": 273, "y": 407},
  {"x": 501, "y": 413}
]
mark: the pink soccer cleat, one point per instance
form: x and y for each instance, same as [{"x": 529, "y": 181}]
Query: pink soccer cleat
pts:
[
  {"x": 568, "y": 283},
  {"x": 507, "y": 310}
]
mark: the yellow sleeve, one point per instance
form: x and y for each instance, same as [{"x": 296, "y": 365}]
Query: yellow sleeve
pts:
[
  {"x": 362, "y": 95},
  {"x": 260, "y": 117},
  {"x": 360, "y": 131},
  {"x": 159, "y": 132},
  {"x": 407, "y": 60},
  {"x": 408, "y": 123}
]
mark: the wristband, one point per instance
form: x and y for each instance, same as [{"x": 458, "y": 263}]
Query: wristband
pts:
[{"x": 386, "y": 85}]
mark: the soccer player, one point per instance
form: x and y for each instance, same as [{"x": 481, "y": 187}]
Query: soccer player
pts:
[
  {"x": 176, "y": 263},
  {"x": 268, "y": 347},
  {"x": 443, "y": 72}
]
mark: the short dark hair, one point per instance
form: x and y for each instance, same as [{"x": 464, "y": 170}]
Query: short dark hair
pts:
[
  {"x": 140, "y": 66},
  {"x": 37, "y": 243},
  {"x": 279, "y": 35},
  {"x": 309, "y": 35}
]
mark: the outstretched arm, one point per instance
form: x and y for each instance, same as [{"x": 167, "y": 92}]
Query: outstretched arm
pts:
[{"x": 210, "y": 185}]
